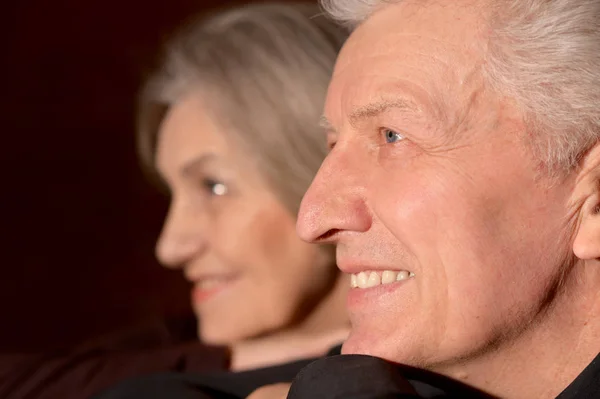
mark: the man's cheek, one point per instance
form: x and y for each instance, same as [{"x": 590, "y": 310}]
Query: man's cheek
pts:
[{"x": 407, "y": 207}]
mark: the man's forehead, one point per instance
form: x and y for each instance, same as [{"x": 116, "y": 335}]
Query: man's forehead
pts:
[
  {"x": 432, "y": 46},
  {"x": 450, "y": 23}
]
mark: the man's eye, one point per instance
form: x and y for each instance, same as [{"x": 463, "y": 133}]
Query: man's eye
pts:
[
  {"x": 214, "y": 187},
  {"x": 331, "y": 140},
  {"x": 391, "y": 136}
]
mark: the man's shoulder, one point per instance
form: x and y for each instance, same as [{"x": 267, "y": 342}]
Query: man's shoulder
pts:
[{"x": 586, "y": 385}]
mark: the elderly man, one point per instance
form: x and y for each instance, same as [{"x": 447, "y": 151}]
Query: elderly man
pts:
[{"x": 463, "y": 190}]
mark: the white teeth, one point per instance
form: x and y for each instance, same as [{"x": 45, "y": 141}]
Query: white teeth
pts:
[
  {"x": 388, "y": 277},
  {"x": 372, "y": 279},
  {"x": 361, "y": 280},
  {"x": 403, "y": 275}
]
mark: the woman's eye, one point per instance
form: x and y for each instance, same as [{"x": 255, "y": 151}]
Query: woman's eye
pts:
[
  {"x": 214, "y": 187},
  {"x": 391, "y": 136}
]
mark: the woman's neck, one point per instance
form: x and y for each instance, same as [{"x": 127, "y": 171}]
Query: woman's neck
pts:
[{"x": 324, "y": 327}]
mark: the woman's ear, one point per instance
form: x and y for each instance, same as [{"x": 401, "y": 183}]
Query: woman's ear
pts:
[{"x": 586, "y": 244}]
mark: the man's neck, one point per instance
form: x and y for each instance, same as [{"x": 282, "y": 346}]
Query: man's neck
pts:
[{"x": 543, "y": 360}]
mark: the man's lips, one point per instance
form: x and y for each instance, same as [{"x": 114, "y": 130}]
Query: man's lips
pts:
[
  {"x": 366, "y": 275},
  {"x": 368, "y": 289},
  {"x": 356, "y": 265},
  {"x": 370, "y": 283}
]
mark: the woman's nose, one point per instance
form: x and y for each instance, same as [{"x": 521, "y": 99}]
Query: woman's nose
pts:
[{"x": 182, "y": 238}]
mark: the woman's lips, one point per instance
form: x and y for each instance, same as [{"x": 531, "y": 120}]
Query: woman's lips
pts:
[{"x": 208, "y": 287}]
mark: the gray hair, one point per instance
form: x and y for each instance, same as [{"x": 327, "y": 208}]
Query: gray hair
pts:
[
  {"x": 545, "y": 54},
  {"x": 263, "y": 71}
]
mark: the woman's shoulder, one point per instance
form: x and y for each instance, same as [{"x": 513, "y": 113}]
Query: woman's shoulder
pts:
[
  {"x": 214, "y": 385},
  {"x": 97, "y": 365}
]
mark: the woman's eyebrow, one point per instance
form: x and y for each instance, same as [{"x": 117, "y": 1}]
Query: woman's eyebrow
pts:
[{"x": 195, "y": 163}]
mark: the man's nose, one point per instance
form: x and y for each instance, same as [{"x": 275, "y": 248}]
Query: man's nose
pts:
[
  {"x": 182, "y": 238},
  {"x": 335, "y": 201}
]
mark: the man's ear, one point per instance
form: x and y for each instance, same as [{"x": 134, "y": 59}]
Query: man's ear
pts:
[{"x": 586, "y": 245}]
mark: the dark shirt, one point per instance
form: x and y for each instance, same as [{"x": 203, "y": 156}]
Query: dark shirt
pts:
[
  {"x": 80, "y": 373},
  {"x": 215, "y": 385},
  {"x": 366, "y": 377},
  {"x": 586, "y": 385},
  {"x": 334, "y": 377}
]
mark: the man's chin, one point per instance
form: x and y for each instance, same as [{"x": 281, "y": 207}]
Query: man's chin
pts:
[
  {"x": 360, "y": 344},
  {"x": 363, "y": 343}
]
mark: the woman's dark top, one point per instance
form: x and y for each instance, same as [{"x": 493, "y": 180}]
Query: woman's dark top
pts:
[
  {"x": 334, "y": 377},
  {"x": 216, "y": 385},
  {"x": 98, "y": 365}
]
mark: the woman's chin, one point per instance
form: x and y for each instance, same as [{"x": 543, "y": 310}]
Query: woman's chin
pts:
[{"x": 214, "y": 337}]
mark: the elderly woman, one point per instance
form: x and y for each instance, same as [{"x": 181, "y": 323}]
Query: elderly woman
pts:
[{"x": 230, "y": 123}]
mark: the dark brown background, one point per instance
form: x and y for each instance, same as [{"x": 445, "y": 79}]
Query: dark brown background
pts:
[{"x": 79, "y": 219}]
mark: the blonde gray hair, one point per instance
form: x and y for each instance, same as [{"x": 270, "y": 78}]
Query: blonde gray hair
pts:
[
  {"x": 263, "y": 72},
  {"x": 544, "y": 54}
]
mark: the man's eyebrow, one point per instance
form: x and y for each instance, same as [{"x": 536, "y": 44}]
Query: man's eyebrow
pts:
[
  {"x": 326, "y": 125},
  {"x": 376, "y": 108}
]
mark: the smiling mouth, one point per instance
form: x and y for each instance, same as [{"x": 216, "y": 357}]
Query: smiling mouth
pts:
[
  {"x": 372, "y": 279},
  {"x": 207, "y": 288},
  {"x": 213, "y": 282}
]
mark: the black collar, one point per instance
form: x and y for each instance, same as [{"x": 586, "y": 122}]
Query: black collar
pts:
[{"x": 586, "y": 385}]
